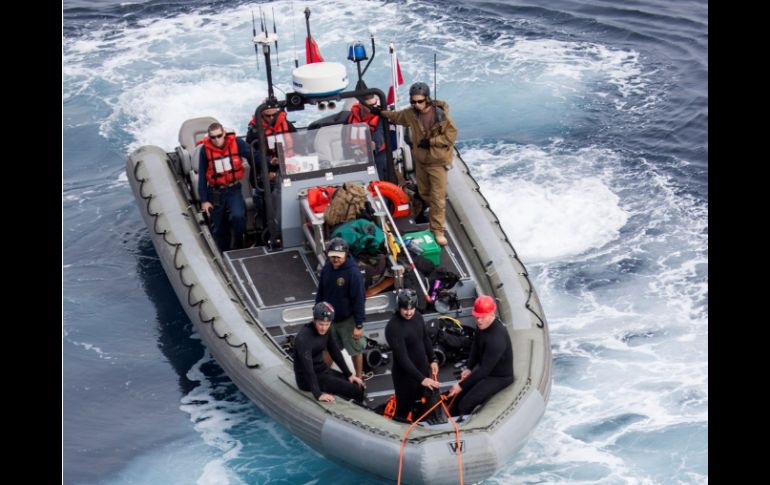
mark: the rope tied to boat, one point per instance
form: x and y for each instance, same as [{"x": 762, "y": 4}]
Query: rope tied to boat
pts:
[{"x": 440, "y": 402}]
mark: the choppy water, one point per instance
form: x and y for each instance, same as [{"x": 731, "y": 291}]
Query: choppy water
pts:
[{"x": 586, "y": 125}]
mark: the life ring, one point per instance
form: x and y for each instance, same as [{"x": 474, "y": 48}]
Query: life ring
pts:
[{"x": 392, "y": 192}]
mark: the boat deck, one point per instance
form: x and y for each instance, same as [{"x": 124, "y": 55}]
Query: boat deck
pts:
[
  {"x": 274, "y": 279},
  {"x": 379, "y": 387},
  {"x": 282, "y": 286},
  {"x": 289, "y": 277}
]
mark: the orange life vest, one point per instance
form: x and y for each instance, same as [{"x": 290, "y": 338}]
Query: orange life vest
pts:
[
  {"x": 225, "y": 165},
  {"x": 371, "y": 120},
  {"x": 319, "y": 198},
  {"x": 391, "y": 191},
  {"x": 280, "y": 132}
]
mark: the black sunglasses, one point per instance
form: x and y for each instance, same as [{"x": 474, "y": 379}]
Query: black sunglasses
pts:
[{"x": 417, "y": 101}]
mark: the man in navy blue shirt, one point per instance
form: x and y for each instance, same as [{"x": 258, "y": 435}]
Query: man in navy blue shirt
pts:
[{"x": 341, "y": 285}]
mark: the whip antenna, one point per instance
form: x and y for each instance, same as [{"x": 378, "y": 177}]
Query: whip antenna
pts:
[
  {"x": 435, "y": 89},
  {"x": 277, "y": 61},
  {"x": 253, "y": 36},
  {"x": 294, "y": 33},
  {"x": 266, "y": 41}
]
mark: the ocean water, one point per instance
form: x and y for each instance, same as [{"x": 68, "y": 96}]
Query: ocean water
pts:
[{"x": 586, "y": 124}]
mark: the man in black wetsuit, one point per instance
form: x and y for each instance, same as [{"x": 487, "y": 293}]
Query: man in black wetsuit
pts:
[
  {"x": 412, "y": 351},
  {"x": 490, "y": 365},
  {"x": 311, "y": 371}
]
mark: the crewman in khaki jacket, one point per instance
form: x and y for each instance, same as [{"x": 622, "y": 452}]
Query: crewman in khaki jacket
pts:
[{"x": 433, "y": 134}]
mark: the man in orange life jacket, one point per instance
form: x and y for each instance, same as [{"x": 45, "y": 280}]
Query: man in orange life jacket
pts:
[
  {"x": 360, "y": 113},
  {"x": 219, "y": 184},
  {"x": 274, "y": 123},
  {"x": 433, "y": 134}
]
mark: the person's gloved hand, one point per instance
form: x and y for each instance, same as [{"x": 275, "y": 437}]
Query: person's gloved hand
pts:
[
  {"x": 375, "y": 110},
  {"x": 424, "y": 143}
]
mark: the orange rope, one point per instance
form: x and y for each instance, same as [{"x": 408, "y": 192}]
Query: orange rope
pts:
[
  {"x": 457, "y": 437},
  {"x": 457, "y": 430},
  {"x": 441, "y": 400},
  {"x": 409, "y": 430},
  {"x": 453, "y": 399}
]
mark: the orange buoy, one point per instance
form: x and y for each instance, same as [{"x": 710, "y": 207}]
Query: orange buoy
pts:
[{"x": 392, "y": 192}]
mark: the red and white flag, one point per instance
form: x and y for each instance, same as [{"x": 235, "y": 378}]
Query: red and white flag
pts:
[{"x": 396, "y": 79}]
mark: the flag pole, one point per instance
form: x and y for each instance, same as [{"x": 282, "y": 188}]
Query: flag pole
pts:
[
  {"x": 311, "y": 48},
  {"x": 395, "y": 70}
]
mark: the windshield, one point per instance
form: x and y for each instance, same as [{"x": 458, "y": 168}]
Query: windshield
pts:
[{"x": 324, "y": 148}]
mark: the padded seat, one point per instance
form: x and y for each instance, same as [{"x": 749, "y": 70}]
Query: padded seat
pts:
[
  {"x": 328, "y": 144},
  {"x": 190, "y": 132}
]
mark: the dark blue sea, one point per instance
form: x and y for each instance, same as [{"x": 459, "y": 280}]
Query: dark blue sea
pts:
[{"x": 586, "y": 124}]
